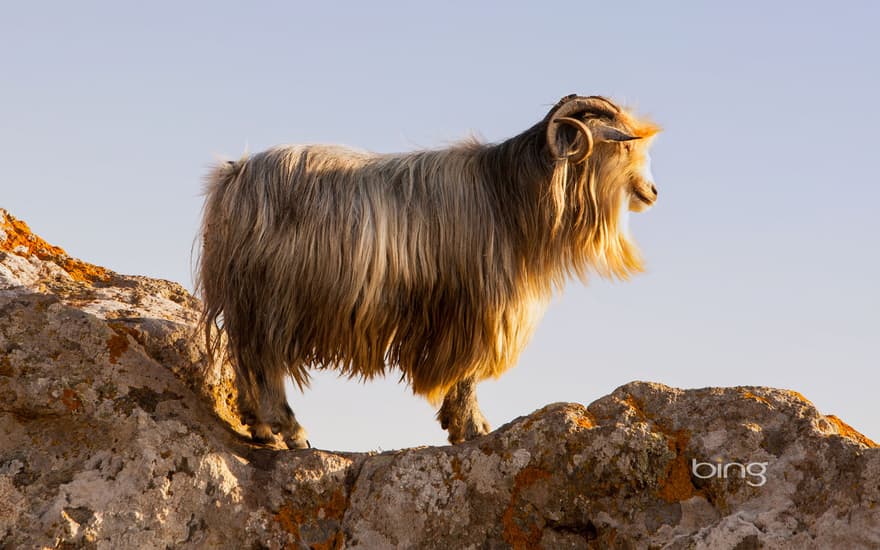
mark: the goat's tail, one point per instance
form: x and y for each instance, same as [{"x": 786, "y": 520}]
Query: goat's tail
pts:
[{"x": 211, "y": 280}]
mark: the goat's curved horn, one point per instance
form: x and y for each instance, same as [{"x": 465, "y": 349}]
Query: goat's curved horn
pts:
[
  {"x": 608, "y": 133},
  {"x": 608, "y": 103},
  {"x": 566, "y": 110},
  {"x": 594, "y": 105},
  {"x": 578, "y": 156}
]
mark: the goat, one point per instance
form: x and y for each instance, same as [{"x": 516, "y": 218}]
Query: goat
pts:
[{"x": 438, "y": 263}]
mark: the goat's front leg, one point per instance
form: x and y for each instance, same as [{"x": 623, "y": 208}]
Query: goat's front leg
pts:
[{"x": 460, "y": 413}]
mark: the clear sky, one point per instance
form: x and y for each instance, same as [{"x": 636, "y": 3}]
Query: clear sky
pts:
[{"x": 762, "y": 251}]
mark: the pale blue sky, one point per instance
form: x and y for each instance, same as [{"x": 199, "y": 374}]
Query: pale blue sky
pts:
[{"x": 762, "y": 250}]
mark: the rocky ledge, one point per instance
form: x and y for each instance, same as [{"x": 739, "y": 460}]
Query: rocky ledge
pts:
[{"x": 115, "y": 432}]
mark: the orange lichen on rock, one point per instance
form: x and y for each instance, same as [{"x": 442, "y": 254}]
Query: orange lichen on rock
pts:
[
  {"x": 847, "y": 431},
  {"x": 749, "y": 395},
  {"x": 585, "y": 421},
  {"x": 71, "y": 400},
  {"x": 675, "y": 484},
  {"x": 799, "y": 396},
  {"x": 22, "y": 242},
  {"x": 117, "y": 345},
  {"x": 581, "y": 416},
  {"x": 519, "y": 532},
  {"x": 122, "y": 329},
  {"x": 290, "y": 517},
  {"x": 636, "y": 407},
  {"x": 456, "y": 469},
  {"x": 335, "y": 507}
]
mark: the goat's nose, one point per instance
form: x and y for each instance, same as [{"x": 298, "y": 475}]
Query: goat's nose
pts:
[{"x": 654, "y": 189}]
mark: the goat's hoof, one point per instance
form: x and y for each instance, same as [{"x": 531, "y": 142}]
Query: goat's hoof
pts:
[
  {"x": 297, "y": 439},
  {"x": 297, "y": 443},
  {"x": 475, "y": 428},
  {"x": 261, "y": 433}
]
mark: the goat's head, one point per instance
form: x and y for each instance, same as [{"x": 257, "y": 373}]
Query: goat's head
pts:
[{"x": 615, "y": 143}]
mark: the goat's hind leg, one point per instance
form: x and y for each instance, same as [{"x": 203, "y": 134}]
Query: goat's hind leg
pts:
[
  {"x": 265, "y": 411},
  {"x": 278, "y": 414},
  {"x": 460, "y": 413}
]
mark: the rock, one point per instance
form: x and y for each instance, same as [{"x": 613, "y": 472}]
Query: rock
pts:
[{"x": 117, "y": 432}]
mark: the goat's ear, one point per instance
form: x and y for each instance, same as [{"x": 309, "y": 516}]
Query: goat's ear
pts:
[{"x": 607, "y": 133}]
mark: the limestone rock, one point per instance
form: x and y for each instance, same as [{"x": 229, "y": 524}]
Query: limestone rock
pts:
[{"x": 116, "y": 432}]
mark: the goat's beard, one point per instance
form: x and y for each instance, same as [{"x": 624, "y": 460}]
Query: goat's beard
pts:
[{"x": 611, "y": 250}]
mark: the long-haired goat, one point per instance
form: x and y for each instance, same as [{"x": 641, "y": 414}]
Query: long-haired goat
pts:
[{"x": 438, "y": 262}]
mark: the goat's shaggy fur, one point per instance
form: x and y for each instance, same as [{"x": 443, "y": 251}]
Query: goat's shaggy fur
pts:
[{"x": 438, "y": 263}]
